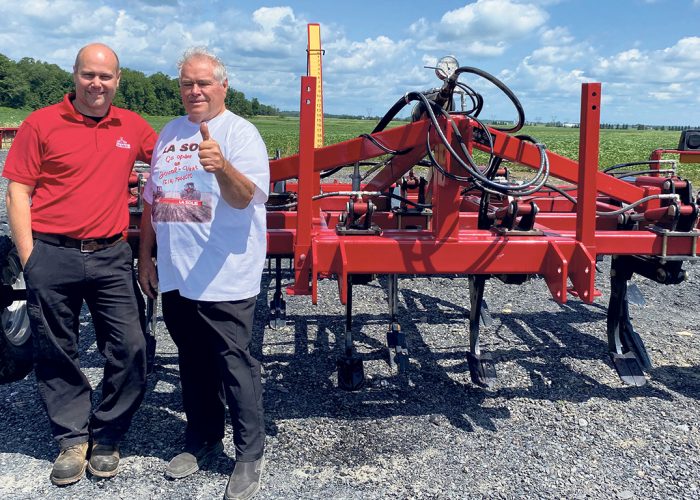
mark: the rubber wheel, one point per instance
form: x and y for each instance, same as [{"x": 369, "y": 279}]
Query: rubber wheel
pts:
[{"x": 15, "y": 343}]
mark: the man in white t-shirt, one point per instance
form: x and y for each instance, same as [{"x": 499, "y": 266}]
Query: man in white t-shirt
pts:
[{"x": 205, "y": 209}]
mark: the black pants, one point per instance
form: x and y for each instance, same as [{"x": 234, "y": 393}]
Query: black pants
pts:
[
  {"x": 58, "y": 279},
  {"x": 213, "y": 341}
]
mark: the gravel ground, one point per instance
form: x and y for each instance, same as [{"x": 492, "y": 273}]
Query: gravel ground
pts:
[{"x": 558, "y": 423}]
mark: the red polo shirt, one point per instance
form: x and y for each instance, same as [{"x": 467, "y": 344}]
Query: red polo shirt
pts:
[{"x": 79, "y": 168}]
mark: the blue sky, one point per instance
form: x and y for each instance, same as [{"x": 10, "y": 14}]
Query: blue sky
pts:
[{"x": 646, "y": 53}]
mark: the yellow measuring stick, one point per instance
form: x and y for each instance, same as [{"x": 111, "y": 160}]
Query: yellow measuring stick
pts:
[{"x": 313, "y": 68}]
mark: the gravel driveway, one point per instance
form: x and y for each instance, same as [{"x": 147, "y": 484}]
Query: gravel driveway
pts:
[{"x": 558, "y": 423}]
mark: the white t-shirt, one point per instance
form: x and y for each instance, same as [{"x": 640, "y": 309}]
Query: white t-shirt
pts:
[{"x": 207, "y": 249}]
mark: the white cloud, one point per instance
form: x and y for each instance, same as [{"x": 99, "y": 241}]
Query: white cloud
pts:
[
  {"x": 276, "y": 30},
  {"x": 677, "y": 63},
  {"x": 421, "y": 28},
  {"x": 485, "y": 28},
  {"x": 87, "y": 21},
  {"x": 549, "y": 78},
  {"x": 686, "y": 51},
  {"x": 561, "y": 55},
  {"x": 556, "y": 36},
  {"x": 492, "y": 20},
  {"x": 269, "y": 18},
  {"x": 543, "y": 63},
  {"x": 647, "y": 84},
  {"x": 46, "y": 10},
  {"x": 671, "y": 91},
  {"x": 346, "y": 56}
]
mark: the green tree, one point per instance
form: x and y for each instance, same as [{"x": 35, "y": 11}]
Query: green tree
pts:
[
  {"x": 32, "y": 84},
  {"x": 167, "y": 94},
  {"x": 136, "y": 93},
  {"x": 13, "y": 88},
  {"x": 236, "y": 102},
  {"x": 47, "y": 82}
]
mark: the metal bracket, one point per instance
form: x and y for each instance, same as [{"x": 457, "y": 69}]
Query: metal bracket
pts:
[{"x": 666, "y": 234}]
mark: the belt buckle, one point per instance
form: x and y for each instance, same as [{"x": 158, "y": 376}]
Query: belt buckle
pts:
[{"x": 89, "y": 246}]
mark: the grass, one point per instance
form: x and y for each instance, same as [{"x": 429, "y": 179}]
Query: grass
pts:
[
  {"x": 616, "y": 146},
  {"x": 10, "y": 117}
]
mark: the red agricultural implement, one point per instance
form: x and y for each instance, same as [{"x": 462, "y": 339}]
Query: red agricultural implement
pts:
[
  {"x": 420, "y": 202},
  {"x": 476, "y": 220}
]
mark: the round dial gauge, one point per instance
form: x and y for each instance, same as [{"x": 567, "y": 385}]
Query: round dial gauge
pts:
[{"x": 446, "y": 66}]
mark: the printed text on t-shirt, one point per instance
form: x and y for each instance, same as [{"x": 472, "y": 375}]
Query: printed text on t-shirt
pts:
[{"x": 183, "y": 147}]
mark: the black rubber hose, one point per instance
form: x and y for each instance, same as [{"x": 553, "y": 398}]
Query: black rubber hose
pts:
[
  {"x": 383, "y": 147},
  {"x": 504, "y": 88},
  {"x": 391, "y": 114}
]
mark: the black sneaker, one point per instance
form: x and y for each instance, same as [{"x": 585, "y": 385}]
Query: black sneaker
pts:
[
  {"x": 187, "y": 462},
  {"x": 69, "y": 467},
  {"x": 104, "y": 460},
  {"x": 244, "y": 482}
]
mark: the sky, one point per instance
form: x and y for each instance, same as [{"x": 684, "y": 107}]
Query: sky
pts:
[{"x": 646, "y": 53}]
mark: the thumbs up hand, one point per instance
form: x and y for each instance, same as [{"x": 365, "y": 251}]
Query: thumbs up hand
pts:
[
  {"x": 204, "y": 130},
  {"x": 210, "y": 156}
]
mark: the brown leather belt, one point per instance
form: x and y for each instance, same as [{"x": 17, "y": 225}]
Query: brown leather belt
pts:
[{"x": 85, "y": 246}]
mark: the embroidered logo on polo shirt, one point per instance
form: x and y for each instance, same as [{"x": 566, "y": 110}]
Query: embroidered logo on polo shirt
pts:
[{"x": 121, "y": 143}]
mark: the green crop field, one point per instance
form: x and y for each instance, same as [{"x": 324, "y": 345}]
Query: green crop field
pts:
[{"x": 616, "y": 146}]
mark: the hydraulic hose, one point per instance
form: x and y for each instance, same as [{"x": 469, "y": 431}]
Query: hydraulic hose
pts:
[{"x": 504, "y": 88}]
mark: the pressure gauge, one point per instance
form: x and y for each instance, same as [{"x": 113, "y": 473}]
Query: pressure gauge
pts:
[{"x": 446, "y": 66}]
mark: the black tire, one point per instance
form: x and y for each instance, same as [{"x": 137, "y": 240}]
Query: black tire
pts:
[{"x": 15, "y": 334}]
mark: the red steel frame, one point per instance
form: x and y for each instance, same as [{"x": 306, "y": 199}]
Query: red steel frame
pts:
[{"x": 566, "y": 248}]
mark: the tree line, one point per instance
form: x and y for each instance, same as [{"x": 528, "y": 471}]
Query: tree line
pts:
[{"x": 32, "y": 84}]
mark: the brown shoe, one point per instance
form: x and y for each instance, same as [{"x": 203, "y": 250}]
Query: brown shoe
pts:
[
  {"x": 69, "y": 467},
  {"x": 104, "y": 460}
]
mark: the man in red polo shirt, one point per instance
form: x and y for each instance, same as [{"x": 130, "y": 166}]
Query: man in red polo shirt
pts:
[{"x": 67, "y": 202}]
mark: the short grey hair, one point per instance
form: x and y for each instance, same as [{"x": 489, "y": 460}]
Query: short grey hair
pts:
[{"x": 220, "y": 73}]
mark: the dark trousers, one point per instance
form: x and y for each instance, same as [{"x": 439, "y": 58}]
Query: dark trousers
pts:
[
  {"x": 58, "y": 279},
  {"x": 213, "y": 341}
]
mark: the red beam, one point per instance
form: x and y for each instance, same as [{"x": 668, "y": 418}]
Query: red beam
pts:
[
  {"x": 305, "y": 208},
  {"x": 589, "y": 141},
  {"x": 350, "y": 151}
]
